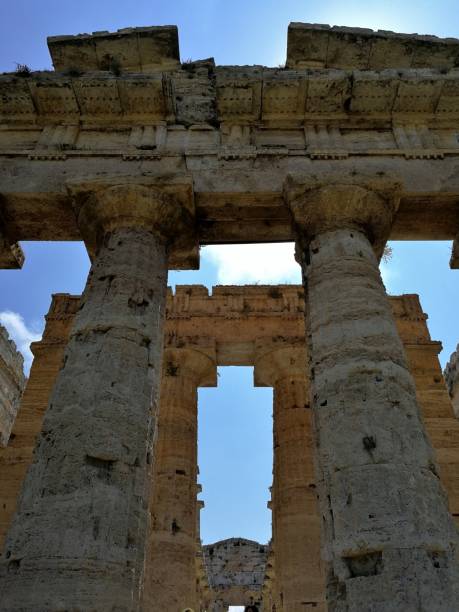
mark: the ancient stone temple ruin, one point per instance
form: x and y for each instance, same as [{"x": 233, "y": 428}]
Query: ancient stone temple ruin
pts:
[{"x": 144, "y": 158}]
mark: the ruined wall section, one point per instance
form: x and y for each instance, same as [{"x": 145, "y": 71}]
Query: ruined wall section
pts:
[
  {"x": 236, "y": 570},
  {"x": 12, "y": 383},
  {"x": 451, "y": 374}
]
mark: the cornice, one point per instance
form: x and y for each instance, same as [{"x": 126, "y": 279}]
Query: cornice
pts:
[{"x": 241, "y": 95}]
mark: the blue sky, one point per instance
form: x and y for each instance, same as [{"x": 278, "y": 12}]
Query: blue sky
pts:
[{"x": 235, "y": 425}]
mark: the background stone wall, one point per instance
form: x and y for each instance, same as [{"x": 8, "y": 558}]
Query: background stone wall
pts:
[
  {"x": 236, "y": 570},
  {"x": 12, "y": 382}
]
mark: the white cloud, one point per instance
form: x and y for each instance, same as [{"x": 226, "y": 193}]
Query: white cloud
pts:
[
  {"x": 254, "y": 263},
  {"x": 21, "y": 334}
]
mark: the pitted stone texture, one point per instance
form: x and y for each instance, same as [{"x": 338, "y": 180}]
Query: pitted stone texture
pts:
[
  {"x": 170, "y": 571},
  {"x": 82, "y": 519},
  {"x": 380, "y": 494},
  {"x": 12, "y": 383}
]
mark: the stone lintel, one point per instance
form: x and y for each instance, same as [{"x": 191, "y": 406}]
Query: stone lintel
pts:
[
  {"x": 116, "y": 199},
  {"x": 129, "y": 49},
  {"x": 321, "y": 46}
]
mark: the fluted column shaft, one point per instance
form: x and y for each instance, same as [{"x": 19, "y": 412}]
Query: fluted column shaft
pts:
[
  {"x": 297, "y": 537},
  {"x": 389, "y": 540},
  {"x": 171, "y": 575},
  {"x": 296, "y": 523},
  {"x": 77, "y": 541}
]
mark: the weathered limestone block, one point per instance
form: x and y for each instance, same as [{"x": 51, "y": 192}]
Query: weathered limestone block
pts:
[
  {"x": 15, "y": 459},
  {"x": 77, "y": 540},
  {"x": 296, "y": 521},
  {"x": 129, "y": 49},
  {"x": 12, "y": 383},
  {"x": 388, "y": 537},
  {"x": 170, "y": 574},
  {"x": 312, "y": 45}
]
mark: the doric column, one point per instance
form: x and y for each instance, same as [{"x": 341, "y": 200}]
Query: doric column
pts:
[
  {"x": 77, "y": 540},
  {"x": 170, "y": 577},
  {"x": 389, "y": 539},
  {"x": 296, "y": 523}
]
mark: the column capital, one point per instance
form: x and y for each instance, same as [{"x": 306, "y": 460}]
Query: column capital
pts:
[
  {"x": 162, "y": 206},
  {"x": 365, "y": 204},
  {"x": 196, "y": 362},
  {"x": 279, "y": 359}
]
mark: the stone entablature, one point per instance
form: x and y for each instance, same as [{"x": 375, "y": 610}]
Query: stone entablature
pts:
[
  {"x": 236, "y": 132},
  {"x": 233, "y": 113},
  {"x": 136, "y": 73},
  {"x": 12, "y": 383},
  {"x": 236, "y": 570}
]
